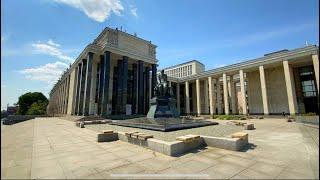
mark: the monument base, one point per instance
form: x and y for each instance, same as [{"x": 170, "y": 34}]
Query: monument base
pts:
[{"x": 163, "y": 107}]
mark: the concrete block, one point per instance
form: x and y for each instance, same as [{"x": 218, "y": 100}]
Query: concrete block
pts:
[
  {"x": 241, "y": 135},
  {"x": 155, "y": 145},
  {"x": 249, "y": 126},
  {"x": 102, "y": 137},
  {"x": 144, "y": 136},
  {"x": 173, "y": 148},
  {"x": 130, "y": 133},
  {"x": 135, "y": 135},
  {"x": 81, "y": 125},
  {"x": 221, "y": 142},
  {"x": 122, "y": 137},
  {"x": 185, "y": 139}
]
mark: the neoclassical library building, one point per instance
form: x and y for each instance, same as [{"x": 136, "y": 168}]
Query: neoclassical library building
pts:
[{"x": 116, "y": 75}]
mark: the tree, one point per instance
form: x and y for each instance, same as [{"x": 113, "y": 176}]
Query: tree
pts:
[
  {"x": 37, "y": 108},
  {"x": 37, "y": 99}
]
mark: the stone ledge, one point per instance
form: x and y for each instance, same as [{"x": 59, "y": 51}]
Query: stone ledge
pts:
[{"x": 234, "y": 144}]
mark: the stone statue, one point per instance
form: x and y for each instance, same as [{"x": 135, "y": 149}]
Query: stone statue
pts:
[
  {"x": 162, "y": 88},
  {"x": 163, "y": 105}
]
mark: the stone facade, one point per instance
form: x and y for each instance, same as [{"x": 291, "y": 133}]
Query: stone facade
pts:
[{"x": 117, "y": 72}]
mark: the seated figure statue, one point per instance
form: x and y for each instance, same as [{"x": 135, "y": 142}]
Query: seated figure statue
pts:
[
  {"x": 162, "y": 88},
  {"x": 163, "y": 104}
]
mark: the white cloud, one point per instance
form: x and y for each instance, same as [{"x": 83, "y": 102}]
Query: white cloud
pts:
[
  {"x": 48, "y": 73},
  {"x": 133, "y": 11},
  {"x": 53, "y": 43},
  {"x": 52, "y": 49},
  {"x": 98, "y": 10}
]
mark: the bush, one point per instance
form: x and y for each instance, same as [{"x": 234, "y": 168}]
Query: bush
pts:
[
  {"x": 309, "y": 114},
  {"x": 37, "y": 108}
]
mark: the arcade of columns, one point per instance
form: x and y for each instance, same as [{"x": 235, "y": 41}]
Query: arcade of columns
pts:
[
  {"x": 82, "y": 95},
  {"x": 214, "y": 99}
]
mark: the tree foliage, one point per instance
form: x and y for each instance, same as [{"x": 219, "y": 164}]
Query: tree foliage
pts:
[{"x": 32, "y": 102}]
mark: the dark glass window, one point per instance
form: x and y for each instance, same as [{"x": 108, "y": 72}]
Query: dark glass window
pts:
[{"x": 307, "y": 81}]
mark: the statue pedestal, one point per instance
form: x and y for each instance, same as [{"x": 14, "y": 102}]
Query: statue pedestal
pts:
[{"x": 163, "y": 107}]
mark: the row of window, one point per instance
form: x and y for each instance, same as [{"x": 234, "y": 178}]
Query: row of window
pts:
[{"x": 180, "y": 71}]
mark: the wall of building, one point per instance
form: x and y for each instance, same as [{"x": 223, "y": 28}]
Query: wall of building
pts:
[
  {"x": 276, "y": 89},
  {"x": 254, "y": 93}
]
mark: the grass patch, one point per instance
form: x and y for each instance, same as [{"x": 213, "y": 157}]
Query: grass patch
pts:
[{"x": 229, "y": 117}]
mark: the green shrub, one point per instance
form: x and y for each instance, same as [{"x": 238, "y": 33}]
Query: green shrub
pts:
[
  {"x": 37, "y": 108},
  {"x": 309, "y": 114}
]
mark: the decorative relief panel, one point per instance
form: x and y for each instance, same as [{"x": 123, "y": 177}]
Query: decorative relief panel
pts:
[{"x": 113, "y": 38}]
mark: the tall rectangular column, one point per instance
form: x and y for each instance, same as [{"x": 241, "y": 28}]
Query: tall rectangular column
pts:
[
  {"x": 119, "y": 83},
  {"x": 82, "y": 88},
  {"x": 78, "y": 75},
  {"x": 212, "y": 107},
  {"x": 264, "y": 91},
  {"x": 105, "y": 83},
  {"x": 124, "y": 84},
  {"x": 315, "y": 60},
  {"x": 187, "y": 98},
  {"x": 243, "y": 94},
  {"x": 140, "y": 88},
  {"x": 291, "y": 93},
  {"x": 101, "y": 78},
  {"x": 147, "y": 84},
  {"x": 154, "y": 79},
  {"x": 206, "y": 97},
  {"x": 233, "y": 96},
  {"x": 198, "y": 96},
  {"x": 178, "y": 97},
  {"x": 87, "y": 88},
  {"x": 134, "y": 89},
  {"x": 75, "y": 91},
  {"x": 225, "y": 94},
  {"x": 219, "y": 97}
]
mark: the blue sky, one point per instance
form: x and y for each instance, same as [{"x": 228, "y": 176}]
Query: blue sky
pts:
[{"x": 40, "y": 38}]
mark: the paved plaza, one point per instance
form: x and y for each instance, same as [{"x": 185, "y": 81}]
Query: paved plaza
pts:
[{"x": 55, "y": 148}]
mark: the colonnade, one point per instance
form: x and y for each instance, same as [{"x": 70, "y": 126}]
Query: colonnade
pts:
[{"x": 212, "y": 85}]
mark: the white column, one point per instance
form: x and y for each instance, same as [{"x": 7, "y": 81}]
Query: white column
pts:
[
  {"x": 178, "y": 97},
  {"x": 315, "y": 60},
  {"x": 243, "y": 94},
  {"x": 264, "y": 91},
  {"x": 198, "y": 96},
  {"x": 211, "y": 96},
  {"x": 206, "y": 97},
  {"x": 233, "y": 96},
  {"x": 225, "y": 94},
  {"x": 291, "y": 93},
  {"x": 219, "y": 98},
  {"x": 169, "y": 83},
  {"x": 187, "y": 98}
]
